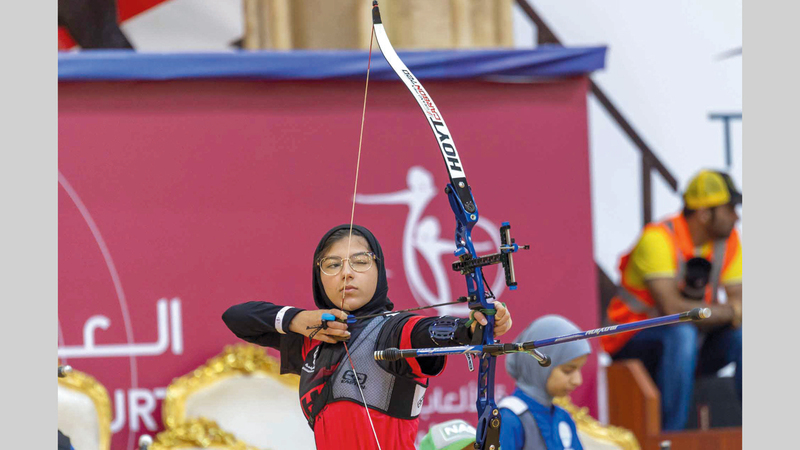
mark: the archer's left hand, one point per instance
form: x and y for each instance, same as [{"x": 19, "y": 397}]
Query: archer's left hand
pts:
[{"x": 502, "y": 320}]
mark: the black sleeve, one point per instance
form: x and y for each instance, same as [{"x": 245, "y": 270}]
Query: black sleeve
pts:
[
  {"x": 254, "y": 322},
  {"x": 291, "y": 348}
]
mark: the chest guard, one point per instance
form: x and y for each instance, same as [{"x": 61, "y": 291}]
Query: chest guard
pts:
[
  {"x": 397, "y": 396},
  {"x": 323, "y": 381}
]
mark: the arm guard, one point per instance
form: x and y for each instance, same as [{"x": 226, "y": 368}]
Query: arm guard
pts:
[{"x": 446, "y": 330}]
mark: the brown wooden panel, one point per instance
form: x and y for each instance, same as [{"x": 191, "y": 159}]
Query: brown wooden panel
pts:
[
  {"x": 712, "y": 439},
  {"x": 633, "y": 399},
  {"x": 634, "y": 402}
]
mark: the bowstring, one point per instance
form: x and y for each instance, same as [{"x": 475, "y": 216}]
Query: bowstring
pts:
[{"x": 350, "y": 235}]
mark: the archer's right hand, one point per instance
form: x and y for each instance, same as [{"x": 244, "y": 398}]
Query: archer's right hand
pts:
[{"x": 307, "y": 322}]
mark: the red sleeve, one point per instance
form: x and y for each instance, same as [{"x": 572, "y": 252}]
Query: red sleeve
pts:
[
  {"x": 308, "y": 345},
  {"x": 405, "y": 343}
]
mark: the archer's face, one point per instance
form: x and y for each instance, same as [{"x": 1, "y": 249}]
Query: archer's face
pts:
[
  {"x": 350, "y": 290},
  {"x": 566, "y": 378}
]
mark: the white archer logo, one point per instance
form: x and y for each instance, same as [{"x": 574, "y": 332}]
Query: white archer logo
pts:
[{"x": 422, "y": 234}]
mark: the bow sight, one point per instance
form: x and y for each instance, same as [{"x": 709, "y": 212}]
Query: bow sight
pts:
[{"x": 467, "y": 263}]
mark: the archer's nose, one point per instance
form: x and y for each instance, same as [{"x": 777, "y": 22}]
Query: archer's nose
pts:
[{"x": 347, "y": 271}]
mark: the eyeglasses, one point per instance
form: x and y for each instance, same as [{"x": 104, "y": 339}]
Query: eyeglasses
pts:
[{"x": 360, "y": 262}]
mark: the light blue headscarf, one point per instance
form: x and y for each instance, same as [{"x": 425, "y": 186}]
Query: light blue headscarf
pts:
[{"x": 530, "y": 376}]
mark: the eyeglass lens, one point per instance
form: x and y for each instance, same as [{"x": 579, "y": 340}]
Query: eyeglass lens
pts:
[{"x": 360, "y": 262}]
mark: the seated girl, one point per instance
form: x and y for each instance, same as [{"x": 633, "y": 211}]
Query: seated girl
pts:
[{"x": 530, "y": 421}]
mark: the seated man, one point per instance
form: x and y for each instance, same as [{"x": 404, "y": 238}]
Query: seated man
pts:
[{"x": 677, "y": 265}]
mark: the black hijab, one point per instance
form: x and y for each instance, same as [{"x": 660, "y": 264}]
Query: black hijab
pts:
[
  {"x": 379, "y": 302},
  {"x": 291, "y": 359},
  {"x": 324, "y": 360}
]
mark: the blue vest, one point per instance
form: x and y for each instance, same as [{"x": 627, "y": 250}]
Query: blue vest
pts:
[{"x": 541, "y": 428}]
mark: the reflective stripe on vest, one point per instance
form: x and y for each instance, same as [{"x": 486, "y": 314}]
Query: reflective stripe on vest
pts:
[
  {"x": 634, "y": 304},
  {"x": 716, "y": 267}
]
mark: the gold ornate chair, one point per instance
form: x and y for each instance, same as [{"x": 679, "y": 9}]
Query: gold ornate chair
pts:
[
  {"x": 197, "y": 434},
  {"x": 594, "y": 435},
  {"x": 242, "y": 390},
  {"x": 84, "y": 411}
]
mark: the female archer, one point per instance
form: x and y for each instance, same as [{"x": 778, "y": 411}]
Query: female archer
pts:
[{"x": 338, "y": 373}]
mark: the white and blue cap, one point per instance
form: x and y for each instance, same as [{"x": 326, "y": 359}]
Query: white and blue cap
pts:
[{"x": 451, "y": 435}]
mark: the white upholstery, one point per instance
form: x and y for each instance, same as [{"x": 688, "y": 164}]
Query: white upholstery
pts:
[
  {"x": 78, "y": 419},
  {"x": 256, "y": 408}
]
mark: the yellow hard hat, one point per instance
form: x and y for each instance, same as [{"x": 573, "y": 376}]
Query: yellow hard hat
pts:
[{"x": 710, "y": 188}]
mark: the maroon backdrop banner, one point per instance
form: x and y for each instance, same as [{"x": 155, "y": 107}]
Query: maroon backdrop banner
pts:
[{"x": 178, "y": 199}]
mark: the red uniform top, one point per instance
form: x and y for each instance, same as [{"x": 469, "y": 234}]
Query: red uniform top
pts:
[{"x": 344, "y": 424}]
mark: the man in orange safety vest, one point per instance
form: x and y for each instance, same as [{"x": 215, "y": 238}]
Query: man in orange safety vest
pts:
[{"x": 676, "y": 265}]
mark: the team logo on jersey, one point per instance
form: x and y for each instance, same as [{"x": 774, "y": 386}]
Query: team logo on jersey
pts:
[{"x": 349, "y": 378}]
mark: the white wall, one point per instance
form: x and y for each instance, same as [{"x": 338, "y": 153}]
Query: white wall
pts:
[{"x": 664, "y": 73}]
